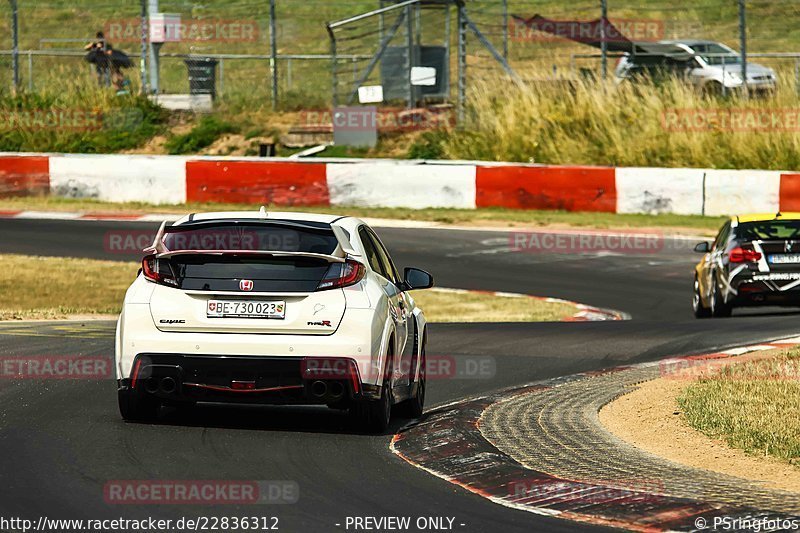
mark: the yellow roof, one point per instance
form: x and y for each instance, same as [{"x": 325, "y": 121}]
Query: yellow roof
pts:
[{"x": 761, "y": 217}]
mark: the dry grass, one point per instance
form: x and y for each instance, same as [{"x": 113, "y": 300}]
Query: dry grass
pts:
[
  {"x": 51, "y": 288},
  {"x": 754, "y": 406},
  {"x": 47, "y": 287},
  {"x": 596, "y": 124}
]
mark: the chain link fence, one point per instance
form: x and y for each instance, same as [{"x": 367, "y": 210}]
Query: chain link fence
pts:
[{"x": 237, "y": 33}]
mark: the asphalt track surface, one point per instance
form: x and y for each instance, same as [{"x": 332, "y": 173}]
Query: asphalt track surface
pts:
[{"x": 61, "y": 442}]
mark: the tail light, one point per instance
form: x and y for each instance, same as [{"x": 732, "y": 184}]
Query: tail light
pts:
[
  {"x": 342, "y": 275},
  {"x": 743, "y": 255},
  {"x": 158, "y": 271}
]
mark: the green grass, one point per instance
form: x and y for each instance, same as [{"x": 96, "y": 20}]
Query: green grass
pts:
[
  {"x": 77, "y": 120},
  {"x": 753, "y": 406},
  {"x": 499, "y": 217}
]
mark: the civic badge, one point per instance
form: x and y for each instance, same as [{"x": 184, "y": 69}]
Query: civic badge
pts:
[{"x": 246, "y": 284}]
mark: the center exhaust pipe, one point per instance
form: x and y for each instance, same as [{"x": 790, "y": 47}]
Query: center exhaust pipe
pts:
[{"x": 337, "y": 390}]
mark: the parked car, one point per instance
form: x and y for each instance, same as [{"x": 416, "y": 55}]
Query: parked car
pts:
[
  {"x": 753, "y": 261},
  {"x": 710, "y": 66},
  {"x": 272, "y": 308}
]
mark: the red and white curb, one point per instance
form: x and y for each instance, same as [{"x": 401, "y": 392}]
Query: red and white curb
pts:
[
  {"x": 584, "y": 313},
  {"x": 448, "y": 444}
]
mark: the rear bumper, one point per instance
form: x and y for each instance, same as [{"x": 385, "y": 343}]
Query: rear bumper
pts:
[
  {"x": 180, "y": 379},
  {"x": 754, "y": 288},
  {"x": 359, "y": 337}
]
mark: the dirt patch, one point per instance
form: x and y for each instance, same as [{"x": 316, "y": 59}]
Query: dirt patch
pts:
[{"x": 650, "y": 419}]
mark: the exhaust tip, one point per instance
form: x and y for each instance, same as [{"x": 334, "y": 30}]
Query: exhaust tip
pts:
[
  {"x": 319, "y": 389},
  {"x": 337, "y": 390},
  {"x": 168, "y": 385},
  {"x": 151, "y": 385}
]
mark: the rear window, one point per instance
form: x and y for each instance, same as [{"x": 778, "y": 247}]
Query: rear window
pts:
[
  {"x": 768, "y": 229},
  {"x": 283, "y": 237}
]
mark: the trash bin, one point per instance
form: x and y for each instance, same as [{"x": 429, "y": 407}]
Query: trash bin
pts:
[{"x": 202, "y": 75}]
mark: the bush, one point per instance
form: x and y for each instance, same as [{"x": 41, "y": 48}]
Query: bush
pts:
[{"x": 202, "y": 135}]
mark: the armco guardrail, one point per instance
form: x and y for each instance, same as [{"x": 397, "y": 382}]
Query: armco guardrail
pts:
[{"x": 389, "y": 183}]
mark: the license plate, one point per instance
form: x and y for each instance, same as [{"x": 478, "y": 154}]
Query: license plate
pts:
[
  {"x": 245, "y": 309},
  {"x": 782, "y": 259}
]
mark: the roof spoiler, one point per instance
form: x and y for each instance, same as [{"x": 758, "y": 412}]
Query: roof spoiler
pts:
[
  {"x": 158, "y": 243},
  {"x": 273, "y": 253}
]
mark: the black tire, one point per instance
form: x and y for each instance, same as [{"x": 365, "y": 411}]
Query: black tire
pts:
[
  {"x": 414, "y": 406},
  {"x": 136, "y": 407},
  {"x": 374, "y": 416},
  {"x": 719, "y": 309},
  {"x": 697, "y": 302}
]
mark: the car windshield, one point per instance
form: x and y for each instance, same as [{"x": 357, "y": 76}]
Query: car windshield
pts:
[{"x": 767, "y": 230}]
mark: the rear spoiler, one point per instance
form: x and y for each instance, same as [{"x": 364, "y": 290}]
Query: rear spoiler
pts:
[
  {"x": 272, "y": 253},
  {"x": 343, "y": 250}
]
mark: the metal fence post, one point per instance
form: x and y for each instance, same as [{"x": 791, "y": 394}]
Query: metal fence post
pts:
[
  {"x": 273, "y": 62},
  {"x": 334, "y": 74},
  {"x": 743, "y": 44},
  {"x": 30, "y": 71},
  {"x": 603, "y": 43},
  {"x": 409, "y": 57},
  {"x": 143, "y": 44},
  {"x": 462, "y": 64},
  {"x": 505, "y": 30},
  {"x": 15, "y": 43}
]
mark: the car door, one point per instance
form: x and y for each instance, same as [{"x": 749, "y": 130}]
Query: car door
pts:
[
  {"x": 399, "y": 306},
  {"x": 713, "y": 265}
]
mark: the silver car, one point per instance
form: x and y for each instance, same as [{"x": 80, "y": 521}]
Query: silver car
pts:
[{"x": 710, "y": 66}]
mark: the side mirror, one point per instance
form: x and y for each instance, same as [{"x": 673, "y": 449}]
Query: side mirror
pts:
[
  {"x": 414, "y": 278},
  {"x": 702, "y": 247}
]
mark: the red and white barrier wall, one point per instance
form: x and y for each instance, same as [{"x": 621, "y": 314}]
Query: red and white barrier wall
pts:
[{"x": 385, "y": 183}]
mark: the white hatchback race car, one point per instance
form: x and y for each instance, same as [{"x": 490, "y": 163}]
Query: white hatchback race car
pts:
[{"x": 272, "y": 308}]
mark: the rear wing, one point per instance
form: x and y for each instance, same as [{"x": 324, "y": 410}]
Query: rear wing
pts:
[{"x": 343, "y": 250}]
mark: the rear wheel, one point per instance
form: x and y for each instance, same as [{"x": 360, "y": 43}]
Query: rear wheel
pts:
[
  {"x": 719, "y": 308},
  {"x": 136, "y": 407},
  {"x": 697, "y": 302},
  {"x": 374, "y": 415}
]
